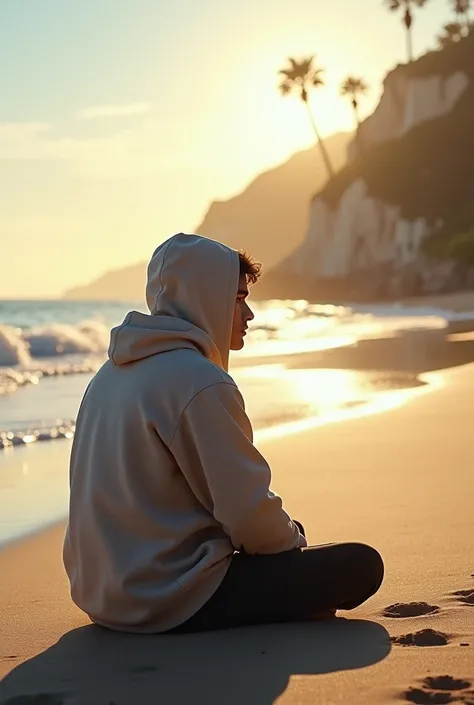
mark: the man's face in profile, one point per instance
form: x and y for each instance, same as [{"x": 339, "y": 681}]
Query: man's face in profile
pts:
[{"x": 242, "y": 315}]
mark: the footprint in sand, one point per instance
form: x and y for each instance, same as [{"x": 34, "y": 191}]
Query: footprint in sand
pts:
[
  {"x": 409, "y": 609},
  {"x": 465, "y": 596},
  {"x": 441, "y": 689},
  {"x": 424, "y": 637}
]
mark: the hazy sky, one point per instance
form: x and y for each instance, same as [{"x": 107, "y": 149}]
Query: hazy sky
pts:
[{"x": 121, "y": 120}]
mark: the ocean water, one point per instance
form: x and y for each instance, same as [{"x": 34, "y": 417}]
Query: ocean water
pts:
[{"x": 49, "y": 350}]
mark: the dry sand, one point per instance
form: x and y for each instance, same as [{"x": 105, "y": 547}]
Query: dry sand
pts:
[{"x": 402, "y": 481}]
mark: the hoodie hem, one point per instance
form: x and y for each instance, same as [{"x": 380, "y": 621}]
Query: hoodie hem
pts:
[{"x": 197, "y": 594}]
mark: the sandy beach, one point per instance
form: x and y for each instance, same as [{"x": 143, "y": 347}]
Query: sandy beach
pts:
[{"x": 400, "y": 480}]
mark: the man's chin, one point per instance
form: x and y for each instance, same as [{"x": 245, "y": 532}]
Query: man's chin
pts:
[{"x": 238, "y": 345}]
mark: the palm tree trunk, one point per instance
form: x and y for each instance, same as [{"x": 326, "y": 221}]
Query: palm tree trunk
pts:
[
  {"x": 356, "y": 112},
  {"x": 324, "y": 154},
  {"x": 408, "y": 22},
  {"x": 409, "y": 45},
  {"x": 358, "y": 138}
]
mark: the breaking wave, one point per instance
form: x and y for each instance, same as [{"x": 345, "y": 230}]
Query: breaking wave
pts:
[{"x": 19, "y": 346}]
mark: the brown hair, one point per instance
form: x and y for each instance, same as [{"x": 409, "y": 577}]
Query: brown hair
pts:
[{"x": 249, "y": 267}]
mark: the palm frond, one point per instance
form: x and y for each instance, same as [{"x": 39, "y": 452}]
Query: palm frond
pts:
[
  {"x": 461, "y": 7},
  {"x": 306, "y": 65},
  {"x": 347, "y": 86},
  {"x": 301, "y": 75},
  {"x": 297, "y": 70},
  {"x": 353, "y": 86},
  {"x": 316, "y": 77},
  {"x": 453, "y": 32},
  {"x": 285, "y": 87},
  {"x": 393, "y": 4},
  {"x": 453, "y": 28},
  {"x": 303, "y": 69},
  {"x": 397, "y": 4}
]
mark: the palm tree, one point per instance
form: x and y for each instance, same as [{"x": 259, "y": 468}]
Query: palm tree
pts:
[
  {"x": 300, "y": 77},
  {"x": 453, "y": 32},
  {"x": 462, "y": 8},
  {"x": 395, "y": 5},
  {"x": 353, "y": 88}
]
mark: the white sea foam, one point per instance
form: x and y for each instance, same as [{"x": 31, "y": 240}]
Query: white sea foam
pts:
[
  {"x": 11, "y": 379},
  {"x": 20, "y": 347},
  {"x": 14, "y": 350},
  {"x": 63, "y": 339}
]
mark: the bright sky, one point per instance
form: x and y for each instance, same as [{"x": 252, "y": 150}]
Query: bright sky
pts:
[{"x": 120, "y": 121}]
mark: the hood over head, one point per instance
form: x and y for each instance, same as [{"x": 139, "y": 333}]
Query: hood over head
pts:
[{"x": 191, "y": 290}]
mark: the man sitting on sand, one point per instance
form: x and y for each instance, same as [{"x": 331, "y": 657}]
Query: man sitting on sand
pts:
[{"x": 172, "y": 525}]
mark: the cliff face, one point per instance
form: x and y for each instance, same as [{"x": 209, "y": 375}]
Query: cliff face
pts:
[
  {"x": 269, "y": 219},
  {"x": 408, "y": 101},
  {"x": 410, "y": 177}
]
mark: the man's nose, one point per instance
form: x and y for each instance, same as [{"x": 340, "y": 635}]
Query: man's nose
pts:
[{"x": 250, "y": 314}]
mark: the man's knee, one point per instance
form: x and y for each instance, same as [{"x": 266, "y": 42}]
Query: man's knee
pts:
[
  {"x": 367, "y": 564},
  {"x": 370, "y": 563}
]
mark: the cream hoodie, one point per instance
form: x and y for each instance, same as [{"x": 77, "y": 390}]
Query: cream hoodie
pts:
[{"x": 165, "y": 482}]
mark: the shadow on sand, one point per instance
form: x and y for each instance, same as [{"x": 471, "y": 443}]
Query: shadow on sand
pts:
[{"x": 248, "y": 666}]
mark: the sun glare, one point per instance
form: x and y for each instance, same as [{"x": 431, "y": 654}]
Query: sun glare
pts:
[{"x": 281, "y": 126}]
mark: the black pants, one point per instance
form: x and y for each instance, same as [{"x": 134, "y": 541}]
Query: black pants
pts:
[{"x": 290, "y": 586}]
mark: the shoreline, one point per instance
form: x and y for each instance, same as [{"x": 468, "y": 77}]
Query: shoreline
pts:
[{"x": 16, "y": 541}]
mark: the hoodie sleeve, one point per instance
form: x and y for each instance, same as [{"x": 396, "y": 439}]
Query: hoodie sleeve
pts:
[{"x": 213, "y": 448}]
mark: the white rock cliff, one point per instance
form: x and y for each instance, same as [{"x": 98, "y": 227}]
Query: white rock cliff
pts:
[{"x": 361, "y": 231}]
